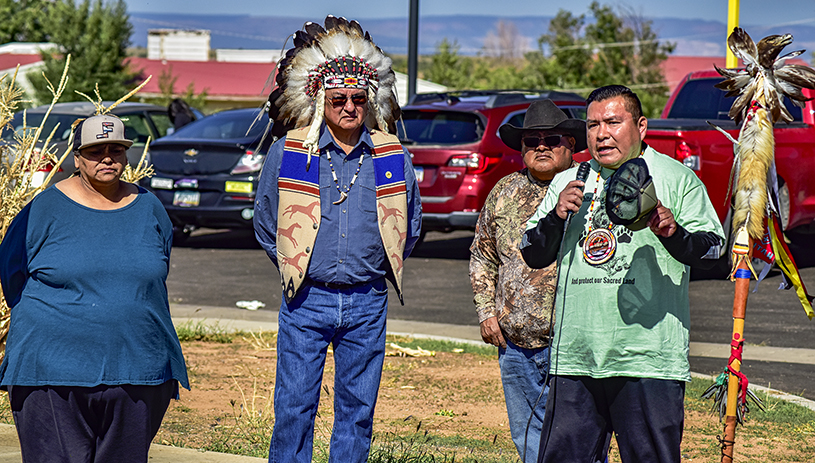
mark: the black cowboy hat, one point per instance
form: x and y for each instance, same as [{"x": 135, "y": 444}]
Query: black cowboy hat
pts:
[{"x": 545, "y": 115}]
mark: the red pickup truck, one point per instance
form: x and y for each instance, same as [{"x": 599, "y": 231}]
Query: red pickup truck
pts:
[{"x": 684, "y": 134}]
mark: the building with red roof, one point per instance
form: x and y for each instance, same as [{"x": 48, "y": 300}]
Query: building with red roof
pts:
[
  {"x": 227, "y": 84},
  {"x": 12, "y": 60},
  {"x": 26, "y": 55}
]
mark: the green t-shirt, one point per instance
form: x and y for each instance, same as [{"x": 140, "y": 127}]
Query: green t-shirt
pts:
[{"x": 628, "y": 313}]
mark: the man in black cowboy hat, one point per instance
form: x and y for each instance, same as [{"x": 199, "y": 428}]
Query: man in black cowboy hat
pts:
[{"x": 514, "y": 302}]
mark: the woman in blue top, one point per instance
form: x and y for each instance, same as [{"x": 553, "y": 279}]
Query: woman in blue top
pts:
[{"x": 92, "y": 357}]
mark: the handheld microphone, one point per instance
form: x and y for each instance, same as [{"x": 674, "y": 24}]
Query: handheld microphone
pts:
[{"x": 582, "y": 175}]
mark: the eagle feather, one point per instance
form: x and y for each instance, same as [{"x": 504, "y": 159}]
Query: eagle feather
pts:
[{"x": 760, "y": 89}]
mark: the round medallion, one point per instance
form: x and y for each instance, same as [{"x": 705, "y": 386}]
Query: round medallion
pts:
[
  {"x": 599, "y": 246},
  {"x": 388, "y": 174}
]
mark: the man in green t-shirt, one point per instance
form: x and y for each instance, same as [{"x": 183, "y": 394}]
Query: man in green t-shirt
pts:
[{"x": 620, "y": 348}]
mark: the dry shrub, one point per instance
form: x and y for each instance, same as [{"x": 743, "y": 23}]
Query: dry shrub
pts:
[{"x": 20, "y": 160}]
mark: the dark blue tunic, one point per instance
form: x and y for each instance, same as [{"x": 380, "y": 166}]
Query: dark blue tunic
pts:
[{"x": 88, "y": 295}]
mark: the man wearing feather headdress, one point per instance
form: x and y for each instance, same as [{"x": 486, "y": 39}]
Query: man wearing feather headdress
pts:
[
  {"x": 621, "y": 336},
  {"x": 337, "y": 211}
]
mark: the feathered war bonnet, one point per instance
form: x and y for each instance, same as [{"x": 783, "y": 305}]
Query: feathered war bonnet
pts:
[{"x": 341, "y": 55}]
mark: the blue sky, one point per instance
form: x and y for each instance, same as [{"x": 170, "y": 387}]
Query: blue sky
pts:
[{"x": 752, "y": 12}]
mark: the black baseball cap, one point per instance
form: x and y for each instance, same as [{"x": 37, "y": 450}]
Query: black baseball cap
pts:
[{"x": 630, "y": 196}]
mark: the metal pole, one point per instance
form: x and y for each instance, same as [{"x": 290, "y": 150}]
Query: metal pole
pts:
[
  {"x": 413, "y": 48},
  {"x": 732, "y": 23}
]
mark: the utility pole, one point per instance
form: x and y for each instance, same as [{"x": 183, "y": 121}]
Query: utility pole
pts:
[
  {"x": 732, "y": 23},
  {"x": 413, "y": 48}
]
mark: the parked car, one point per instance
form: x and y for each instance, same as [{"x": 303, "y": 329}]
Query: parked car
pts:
[
  {"x": 141, "y": 121},
  {"x": 207, "y": 171},
  {"x": 457, "y": 153},
  {"x": 685, "y": 135}
]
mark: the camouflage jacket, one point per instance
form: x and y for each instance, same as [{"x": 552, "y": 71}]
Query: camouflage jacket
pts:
[{"x": 504, "y": 286}]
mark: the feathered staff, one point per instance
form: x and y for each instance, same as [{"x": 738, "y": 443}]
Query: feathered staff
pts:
[{"x": 760, "y": 89}]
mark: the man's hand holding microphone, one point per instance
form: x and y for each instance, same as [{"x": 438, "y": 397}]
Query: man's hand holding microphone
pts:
[{"x": 571, "y": 197}]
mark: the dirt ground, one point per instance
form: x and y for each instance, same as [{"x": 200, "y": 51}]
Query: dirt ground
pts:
[
  {"x": 455, "y": 398},
  {"x": 446, "y": 394}
]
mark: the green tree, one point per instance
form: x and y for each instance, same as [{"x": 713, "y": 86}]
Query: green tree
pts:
[
  {"x": 448, "y": 67},
  {"x": 576, "y": 54},
  {"x": 612, "y": 49},
  {"x": 501, "y": 63},
  {"x": 22, "y": 20},
  {"x": 570, "y": 58},
  {"x": 96, "y": 36}
]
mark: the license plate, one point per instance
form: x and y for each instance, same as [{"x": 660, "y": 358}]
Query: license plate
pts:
[
  {"x": 419, "y": 174},
  {"x": 186, "y": 198},
  {"x": 238, "y": 187},
  {"x": 158, "y": 183},
  {"x": 185, "y": 183}
]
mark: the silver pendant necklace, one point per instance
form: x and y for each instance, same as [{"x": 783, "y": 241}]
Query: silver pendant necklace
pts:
[{"x": 344, "y": 194}]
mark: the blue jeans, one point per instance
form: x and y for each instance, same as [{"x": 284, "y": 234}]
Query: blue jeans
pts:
[
  {"x": 522, "y": 373},
  {"x": 353, "y": 321}
]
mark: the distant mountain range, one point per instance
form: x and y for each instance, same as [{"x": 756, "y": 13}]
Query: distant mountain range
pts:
[{"x": 692, "y": 37}]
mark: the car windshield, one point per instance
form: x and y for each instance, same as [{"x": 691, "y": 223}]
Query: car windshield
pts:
[
  {"x": 33, "y": 121},
  {"x": 439, "y": 127},
  {"x": 699, "y": 99},
  {"x": 225, "y": 126}
]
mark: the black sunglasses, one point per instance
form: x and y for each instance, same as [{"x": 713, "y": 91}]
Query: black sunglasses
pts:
[
  {"x": 549, "y": 140},
  {"x": 339, "y": 101}
]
